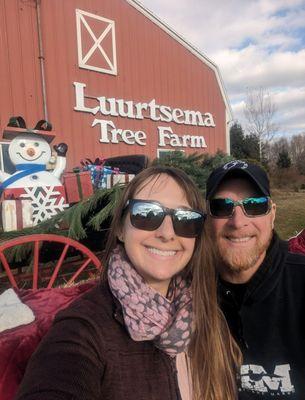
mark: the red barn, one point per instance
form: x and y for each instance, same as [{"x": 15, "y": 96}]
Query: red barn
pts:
[{"x": 110, "y": 77}]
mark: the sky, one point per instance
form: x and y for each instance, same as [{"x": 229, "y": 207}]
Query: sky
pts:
[{"x": 255, "y": 43}]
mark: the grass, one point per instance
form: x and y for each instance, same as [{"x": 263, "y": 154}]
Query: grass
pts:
[{"x": 290, "y": 212}]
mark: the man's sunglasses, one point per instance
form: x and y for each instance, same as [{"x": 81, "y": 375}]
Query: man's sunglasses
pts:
[
  {"x": 149, "y": 215},
  {"x": 252, "y": 207}
]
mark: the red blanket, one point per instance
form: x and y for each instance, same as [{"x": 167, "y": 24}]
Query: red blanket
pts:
[
  {"x": 297, "y": 243},
  {"x": 17, "y": 344}
]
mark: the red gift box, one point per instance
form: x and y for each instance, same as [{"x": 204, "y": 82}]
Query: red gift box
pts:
[
  {"x": 78, "y": 186},
  {"x": 16, "y": 214},
  {"x": 46, "y": 201},
  {"x": 26, "y": 192},
  {"x": 120, "y": 179}
]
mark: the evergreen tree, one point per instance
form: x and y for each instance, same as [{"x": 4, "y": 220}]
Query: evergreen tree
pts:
[
  {"x": 283, "y": 161},
  {"x": 197, "y": 166},
  {"x": 237, "y": 140},
  {"x": 212, "y": 161},
  {"x": 190, "y": 164},
  {"x": 243, "y": 146},
  {"x": 251, "y": 144}
]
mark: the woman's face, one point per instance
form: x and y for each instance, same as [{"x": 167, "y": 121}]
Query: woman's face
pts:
[{"x": 160, "y": 254}]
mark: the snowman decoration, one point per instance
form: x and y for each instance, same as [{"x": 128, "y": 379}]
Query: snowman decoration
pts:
[{"x": 30, "y": 152}]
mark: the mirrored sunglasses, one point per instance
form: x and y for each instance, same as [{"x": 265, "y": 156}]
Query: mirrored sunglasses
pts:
[
  {"x": 149, "y": 215},
  {"x": 251, "y": 206}
]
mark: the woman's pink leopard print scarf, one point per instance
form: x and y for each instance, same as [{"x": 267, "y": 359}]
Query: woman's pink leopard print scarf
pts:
[{"x": 147, "y": 314}]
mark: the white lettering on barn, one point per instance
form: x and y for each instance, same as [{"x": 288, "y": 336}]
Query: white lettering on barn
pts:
[
  {"x": 168, "y": 138},
  {"x": 110, "y": 134},
  {"x": 112, "y": 107},
  {"x": 129, "y": 109}
]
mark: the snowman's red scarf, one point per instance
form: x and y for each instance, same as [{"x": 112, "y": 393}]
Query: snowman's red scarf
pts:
[{"x": 25, "y": 170}]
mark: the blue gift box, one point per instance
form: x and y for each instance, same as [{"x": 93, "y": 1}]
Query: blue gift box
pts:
[{"x": 98, "y": 175}]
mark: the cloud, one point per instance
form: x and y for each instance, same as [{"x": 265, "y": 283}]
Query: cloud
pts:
[
  {"x": 254, "y": 67},
  {"x": 257, "y": 43},
  {"x": 225, "y": 23},
  {"x": 291, "y": 104},
  {"x": 290, "y": 110}
]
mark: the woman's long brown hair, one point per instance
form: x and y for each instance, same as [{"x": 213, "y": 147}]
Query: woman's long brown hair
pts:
[{"x": 214, "y": 356}]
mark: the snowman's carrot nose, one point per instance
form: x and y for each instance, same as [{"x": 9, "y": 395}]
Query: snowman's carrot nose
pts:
[{"x": 30, "y": 152}]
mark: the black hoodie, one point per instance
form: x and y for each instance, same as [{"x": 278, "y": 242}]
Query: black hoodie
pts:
[{"x": 267, "y": 318}]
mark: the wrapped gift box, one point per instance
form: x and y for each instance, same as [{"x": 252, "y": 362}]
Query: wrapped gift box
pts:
[
  {"x": 17, "y": 214},
  {"x": 99, "y": 174},
  {"x": 107, "y": 171},
  {"x": 78, "y": 186},
  {"x": 46, "y": 201},
  {"x": 120, "y": 179}
]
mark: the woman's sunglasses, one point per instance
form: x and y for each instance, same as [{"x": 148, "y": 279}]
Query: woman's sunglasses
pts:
[
  {"x": 149, "y": 215},
  {"x": 252, "y": 207}
]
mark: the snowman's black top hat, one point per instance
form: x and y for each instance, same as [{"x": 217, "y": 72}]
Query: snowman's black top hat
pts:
[{"x": 17, "y": 126}]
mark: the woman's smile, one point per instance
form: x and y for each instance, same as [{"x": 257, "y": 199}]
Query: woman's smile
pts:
[{"x": 163, "y": 253}]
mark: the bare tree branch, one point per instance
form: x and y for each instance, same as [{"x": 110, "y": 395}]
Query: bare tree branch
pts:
[{"x": 259, "y": 112}]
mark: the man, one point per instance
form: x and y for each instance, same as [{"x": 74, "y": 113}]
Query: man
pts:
[{"x": 261, "y": 285}]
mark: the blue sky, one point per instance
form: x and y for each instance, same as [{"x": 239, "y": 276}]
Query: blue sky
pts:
[{"x": 255, "y": 43}]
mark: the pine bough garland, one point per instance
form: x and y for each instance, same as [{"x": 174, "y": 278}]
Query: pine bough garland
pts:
[{"x": 89, "y": 214}]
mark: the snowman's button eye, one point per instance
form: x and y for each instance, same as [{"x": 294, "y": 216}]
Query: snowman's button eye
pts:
[
  {"x": 36, "y": 144},
  {"x": 22, "y": 144}
]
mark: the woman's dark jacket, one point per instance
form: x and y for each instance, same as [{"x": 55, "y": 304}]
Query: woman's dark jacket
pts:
[{"x": 88, "y": 355}]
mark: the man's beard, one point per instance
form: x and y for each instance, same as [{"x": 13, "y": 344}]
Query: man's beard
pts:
[{"x": 239, "y": 260}]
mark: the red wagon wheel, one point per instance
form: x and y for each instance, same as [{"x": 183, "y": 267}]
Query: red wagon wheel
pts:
[{"x": 87, "y": 257}]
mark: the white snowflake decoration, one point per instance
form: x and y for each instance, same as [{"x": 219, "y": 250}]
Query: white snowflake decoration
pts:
[{"x": 47, "y": 201}]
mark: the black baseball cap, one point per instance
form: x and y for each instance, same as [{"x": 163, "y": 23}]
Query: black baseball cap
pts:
[{"x": 237, "y": 168}]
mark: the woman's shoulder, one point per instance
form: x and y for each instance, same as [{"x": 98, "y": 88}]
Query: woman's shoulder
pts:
[
  {"x": 100, "y": 294},
  {"x": 95, "y": 317},
  {"x": 95, "y": 306}
]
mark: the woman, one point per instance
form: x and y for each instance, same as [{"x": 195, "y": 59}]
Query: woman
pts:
[{"x": 133, "y": 336}]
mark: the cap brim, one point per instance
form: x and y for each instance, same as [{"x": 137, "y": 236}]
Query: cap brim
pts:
[{"x": 12, "y": 132}]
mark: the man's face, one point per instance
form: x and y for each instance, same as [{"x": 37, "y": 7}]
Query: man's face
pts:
[{"x": 241, "y": 241}]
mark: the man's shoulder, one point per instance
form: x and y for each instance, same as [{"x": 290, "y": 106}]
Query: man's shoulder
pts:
[
  {"x": 295, "y": 259},
  {"x": 294, "y": 269}
]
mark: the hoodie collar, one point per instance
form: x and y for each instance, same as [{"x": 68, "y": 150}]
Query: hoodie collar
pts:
[{"x": 268, "y": 274}]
